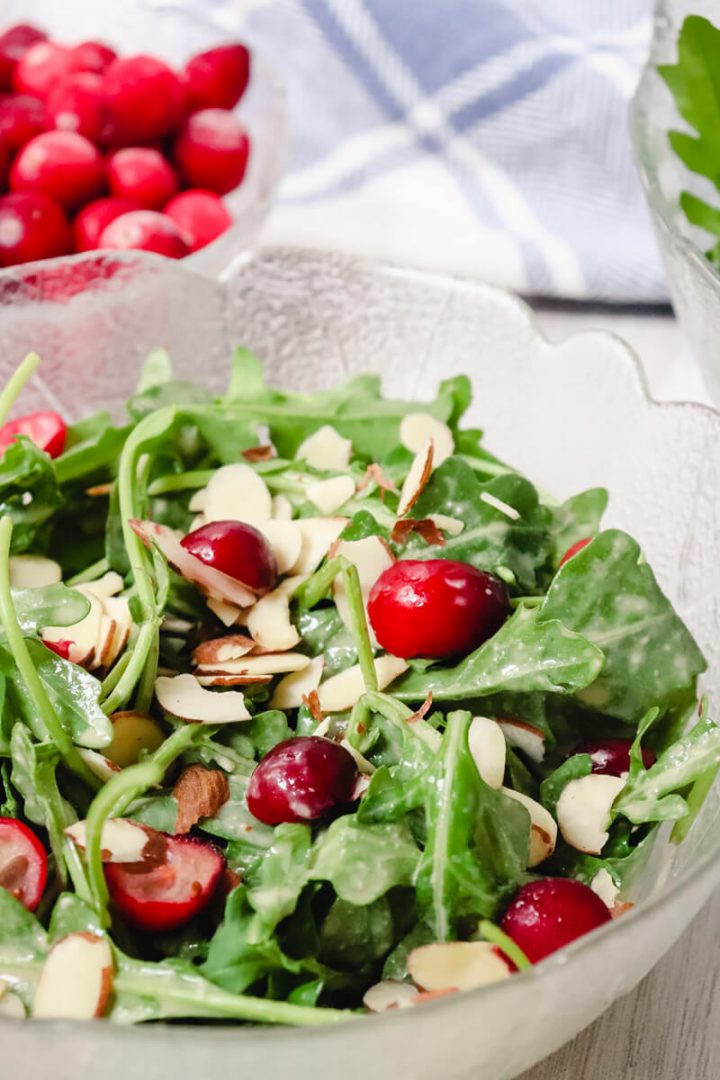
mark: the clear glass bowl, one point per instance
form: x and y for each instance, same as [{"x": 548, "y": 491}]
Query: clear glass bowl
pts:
[
  {"x": 173, "y": 33},
  {"x": 693, "y": 282},
  {"x": 316, "y": 318}
]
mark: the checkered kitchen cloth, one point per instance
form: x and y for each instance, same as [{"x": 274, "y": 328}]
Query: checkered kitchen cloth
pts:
[{"x": 481, "y": 137}]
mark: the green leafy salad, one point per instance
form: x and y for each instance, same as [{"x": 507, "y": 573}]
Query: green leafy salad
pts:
[{"x": 311, "y": 706}]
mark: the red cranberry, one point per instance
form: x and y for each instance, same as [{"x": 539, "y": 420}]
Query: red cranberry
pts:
[
  {"x": 217, "y": 79},
  {"x": 202, "y": 215},
  {"x": 93, "y": 219},
  {"x": 61, "y": 164},
  {"x": 238, "y": 550},
  {"x": 548, "y": 914},
  {"x": 23, "y": 862},
  {"x": 14, "y": 43},
  {"x": 145, "y": 99},
  {"x": 301, "y": 779},
  {"x": 145, "y": 230},
  {"x": 46, "y": 429},
  {"x": 77, "y": 103},
  {"x": 60, "y": 648},
  {"x": 31, "y": 227},
  {"x": 40, "y": 68},
  {"x": 611, "y": 757},
  {"x": 577, "y": 546},
  {"x": 142, "y": 175},
  {"x": 93, "y": 56},
  {"x": 212, "y": 150},
  {"x": 22, "y": 118},
  {"x": 435, "y": 608},
  {"x": 4, "y": 163}
]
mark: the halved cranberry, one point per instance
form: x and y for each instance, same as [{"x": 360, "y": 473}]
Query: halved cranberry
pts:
[
  {"x": 23, "y": 863},
  {"x": 145, "y": 230},
  {"x": 548, "y": 914},
  {"x": 202, "y": 215},
  {"x": 301, "y": 779},
  {"x": 96, "y": 216},
  {"x": 161, "y": 898},
  {"x": 611, "y": 757},
  {"x": 93, "y": 56},
  {"x": 217, "y": 79},
  {"x": 47, "y": 430},
  {"x": 31, "y": 227},
  {"x": 61, "y": 164},
  {"x": 436, "y": 608},
  {"x": 577, "y": 546},
  {"x": 145, "y": 99},
  {"x": 60, "y": 648},
  {"x": 22, "y": 117},
  {"x": 238, "y": 550},
  {"x": 77, "y": 103},
  {"x": 39, "y": 69},
  {"x": 14, "y": 43},
  {"x": 143, "y": 175},
  {"x": 212, "y": 150}
]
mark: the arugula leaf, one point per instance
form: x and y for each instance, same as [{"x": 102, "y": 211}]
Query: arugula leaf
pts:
[
  {"x": 29, "y": 492},
  {"x": 276, "y": 883},
  {"x": 75, "y": 696},
  {"x": 94, "y": 451},
  {"x": 23, "y": 946},
  {"x": 51, "y": 605},
  {"x": 552, "y": 787},
  {"x": 356, "y": 936},
  {"x": 9, "y": 806},
  {"x": 33, "y": 774},
  {"x": 695, "y": 84},
  {"x": 576, "y": 519},
  {"x": 362, "y": 862}
]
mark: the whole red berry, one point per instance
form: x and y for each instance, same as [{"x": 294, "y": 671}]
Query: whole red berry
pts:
[
  {"x": 611, "y": 757},
  {"x": 61, "y": 164},
  {"x": 143, "y": 175},
  {"x": 31, "y": 227},
  {"x": 547, "y": 914},
  {"x": 202, "y": 215},
  {"x": 93, "y": 56},
  {"x": 212, "y": 150},
  {"x": 40, "y": 68},
  {"x": 22, "y": 118},
  {"x": 145, "y": 99},
  {"x": 14, "y": 43},
  {"x": 95, "y": 217},
  {"x": 77, "y": 103},
  {"x": 238, "y": 550},
  {"x": 217, "y": 78},
  {"x": 301, "y": 779},
  {"x": 145, "y": 230}
]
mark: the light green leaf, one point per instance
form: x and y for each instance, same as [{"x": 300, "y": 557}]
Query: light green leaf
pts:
[{"x": 362, "y": 862}]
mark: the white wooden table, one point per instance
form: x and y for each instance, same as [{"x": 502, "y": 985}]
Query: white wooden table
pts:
[{"x": 667, "y": 1028}]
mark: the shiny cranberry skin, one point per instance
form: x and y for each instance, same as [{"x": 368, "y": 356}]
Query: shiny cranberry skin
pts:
[
  {"x": 164, "y": 897},
  {"x": 46, "y": 429},
  {"x": 145, "y": 99},
  {"x": 238, "y": 550},
  {"x": 60, "y": 648},
  {"x": 436, "y": 608},
  {"x": 40, "y": 68},
  {"x": 96, "y": 216},
  {"x": 611, "y": 757},
  {"x": 14, "y": 43},
  {"x": 217, "y": 79},
  {"x": 143, "y": 175},
  {"x": 301, "y": 779},
  {"x": 22, "y": 118},
  {"x": 548, "y": 914},
  {"x": 145, "y": 230},
  {"x": 93, "y": 56},
  {"x": 202, "y": 215},
  {"x": 61, "y": 164},
  {"x": 77, "y": 103},
  {"x": 576, "y": 547},
  {"x": 212, "y": 150},
  {"x": 31, "y": 227},
  {"x": 4, "y": 163},
  {"x": 23, "y": 862}
]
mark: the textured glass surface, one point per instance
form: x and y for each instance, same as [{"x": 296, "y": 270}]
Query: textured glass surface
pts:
[{"x": 571, "y": 415}]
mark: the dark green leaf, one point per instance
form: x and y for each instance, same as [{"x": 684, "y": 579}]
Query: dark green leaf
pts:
[
  {"x": 29, "y": 492},
  {"x": 552, "y": 787},
  {"x": 362, "y": 862},
  {"x": 576, "y": 519}
]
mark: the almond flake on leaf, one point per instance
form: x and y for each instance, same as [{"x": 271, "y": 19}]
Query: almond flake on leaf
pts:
[
  {"x": 269, "y": 620},
  {"x": 424, "y": 527},
  {"x": 457, "y": 965},
  {"x": 318, "y": 535},
  {"x": 416, "y": 479},
  {"x": 389, "y": 994},
  {"x": 498, "y": 504},
  {"x": 525, "y": 737},
  {"x": 123, "y": 841},
  {"x": 450, "y": 525},
  {"x": 417, "y": 428},
  {"x": 200, "y": 793},
  {"x": 184, "y": 697},
  {"x": 583, "y": 811},
  {"x": 237, "y": 493},
  {"x": 329, "y": 495},
  {"x": 218, "y": 650},
  {"x": 342, "y": 691},
  {"x": 258, "y": 665},
  {"x": 543, "y": 827},
  {"x": 291, "y": 691},
  {"x": 76, "y": 979},
  {"x": 33, "y": 572},
  {"x": 325, "y": 449},
  {"x": 486, "y": 743},
  {"x": 372, "y": 557}
]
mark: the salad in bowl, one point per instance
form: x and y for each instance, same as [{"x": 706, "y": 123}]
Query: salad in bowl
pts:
[{"x": 312, "y": 706}]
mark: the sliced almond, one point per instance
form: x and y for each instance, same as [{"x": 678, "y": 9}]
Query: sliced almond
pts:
[
  {"x": 133, "y": 733},
  {"x": 262, "y": 664},
  {"x": 416, "y": 479},
  {"x": 525, "y": 737},
  {"x": 450, "y": 525},
  {"x": 543, "y": 827},
  {"x": 604, "y": 886},
  {"x": 389, "y": 994},
  {"x": 282, "y": 508},
  {"x": 583, "y": 811},
  {"x": 325, "y": 449},
  {"x": 237, "y": 493},
  {"x": 294, "y": 688},
  {"x": 318, "y": 534},
  {"x": 234, "y": 680},
  {"x": 184, "y": 697},
  {"x": 329, "y": 495},
  {"x": 123, "y": 841},
  {"x": 197, "y": 501},
  {"x": 200, "y": 793},
  {"x": 285, "y": 538},
  {"x": 171, "y": 624},
  {"x": 457, "y": 965},
  {"x": 12, "y": 1006},
  {"x": 372, "y": 557},
  {"x": 84, "y": 635},
  {"x": 425, "y": 527},
  {"x": 218, "y": 650},
  {"x": 268, "y": 621},
  {"x": 342, "y": 691},
  {"x": 416, "y": 428},
  {"x": 364, "y": 767},
  {"x": 33, "y": 572},
  {"x": 375, "y": 475},
  {"x": 486, "y": 743},
  {"x": 76, "y": 979},
  {"x": 110, "y": 584},
  {"x": 228, "y": 614},
  {"x": 98, "y": 764}
]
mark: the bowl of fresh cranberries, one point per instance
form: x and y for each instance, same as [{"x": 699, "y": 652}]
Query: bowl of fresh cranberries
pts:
[{"x": 142, "y": 130}]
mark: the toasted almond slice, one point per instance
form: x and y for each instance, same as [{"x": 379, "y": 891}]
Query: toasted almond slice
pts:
[
  {"x": 123, "y": 841},
  {"x": 325, "y": 449},
  {"x": 12, "y": 1006},
  {"x": 525, "y": 737},
  {"x": 604, "y": 886},
  {"x": 218, "y": 650},
  {"x": 118, "y": 610},
  {"x": 264, "y": 452},
  {"x": 33, "y": 572},
  {"x": 364, "y": 767},
  {"x": 342, "y": 691},
  {"x": 197, "y": 501},
  {"x": 375, "y": 475},
  {"x": 76, "y": 979},
  {"x": 285, "y": 538},
  {"x": 486, "y": 743},
  {"x": 450, "y": 525},
  {"x": 372, "y": 557},
  {"x": 456, "y": 965},
  {"x": 228, "y": 614},
  {"x": 269, "y": 620},
  {"x": 329, "y": 495},
  {"x": 543, "y": 827},
  {"x": 171, "y": 624},
  {"x": 83, "y": 635},
  {"x": 184, "y": 697},
  {"x": 583, "y": 811},
  {"x": 389, "y": 994},
  {"x": 261, "y": 664},
  {"x": 417, "y": 428},
  {"x": 282, "y": 508},
  {"x": 200, "y": 793},
  {"x": 318, "y": 534},
  {"x": 211, "y": 582},
  {"x": 110, "y": 584},
  {"x": 133, "y": 732},
  {"x": 106, "y": 638},
  {"x": 97, "y": 763},
  {"x": 291, "y": 691},
  {"x": 404, "y": 527},
  {"x": 237, "y": 493},
  {"x": 234, "y": 680},
  {"x": 416, "y": 479}
]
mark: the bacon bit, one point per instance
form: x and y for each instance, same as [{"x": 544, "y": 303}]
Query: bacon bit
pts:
[
  {"x": 422, "y": 711},
  {"x": 60, "y": 648},
  {"x": 200, "y": 793},
  {"x": 375, "y": 473},
  {"x": 619, "y": 908},
  {"x": 260, "y": 453},
  {"x": 425, "y": 527},
  {"x": 98, "y": 490},
  {"x": 312, "y": 701}
]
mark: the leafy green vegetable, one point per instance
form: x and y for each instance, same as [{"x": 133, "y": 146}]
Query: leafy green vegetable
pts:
[
  {"x": 52, "y": 605},
  {"x": 29, "y": 492},
  {"x": 574, "y": 768},
  {"x": 576, "y": 519},
  {"x": 362, "y": 862}
]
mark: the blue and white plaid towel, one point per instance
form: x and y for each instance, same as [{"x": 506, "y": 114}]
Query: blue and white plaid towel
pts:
[{"x": 481, "y": 137}]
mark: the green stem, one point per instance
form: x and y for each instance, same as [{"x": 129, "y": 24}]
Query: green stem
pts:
[
  {"x": 132, "y": 673},
  {"x": 187, "y": 481},
  {"x": 15, "y": 384},
  {"x": 505, "y": 944},
  {"x": 695, "y": 798},
  {"x": 113, "y": 677},
  {"x": 76, "y": 870},
  {"x": 312, "y": 591},
  {"x": 526, "y": 601},
  {"x": 146, "y": 687},
  {"x": 95, "y": 570}
]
